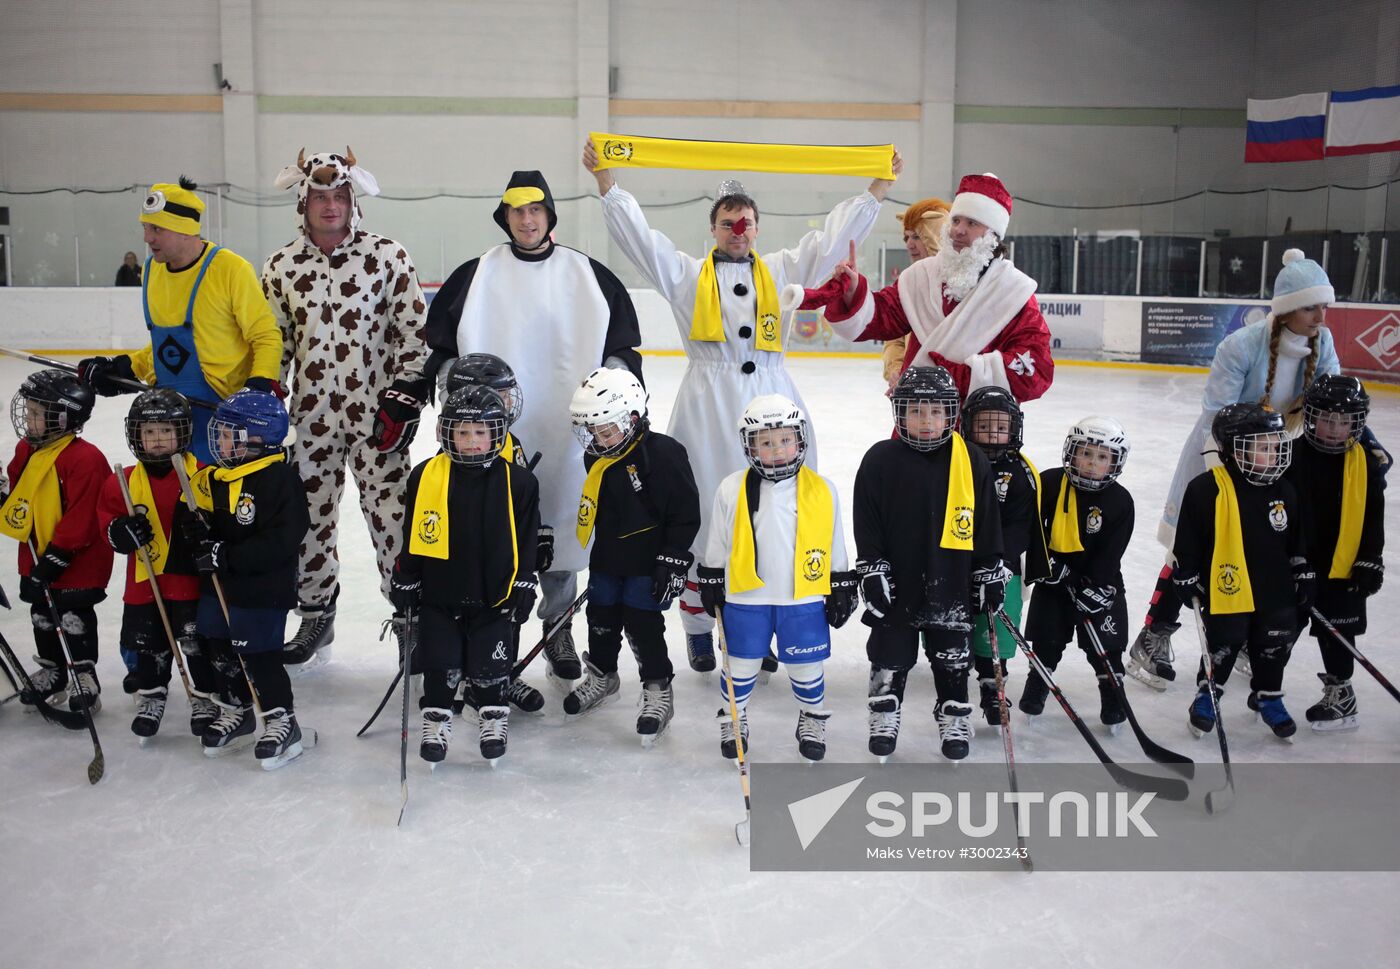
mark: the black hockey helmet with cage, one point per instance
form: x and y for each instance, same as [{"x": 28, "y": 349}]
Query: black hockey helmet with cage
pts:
[
  {"x": 1339, "y": 395},
  {"x": 1253, "y": 441},
  {"x": 63, "y": 404},
  {"x": 473, "y": 405},
  {"x": 994, "y": 400},
  {"x": 920, "y": 387},
  {"x": 160, "y": 405},
  {"x": 487, "y": 370}
]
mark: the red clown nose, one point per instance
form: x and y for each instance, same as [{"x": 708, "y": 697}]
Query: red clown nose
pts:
[{"x": 740, "y": 226}]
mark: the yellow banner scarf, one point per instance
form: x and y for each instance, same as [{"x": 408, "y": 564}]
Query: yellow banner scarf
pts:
[
  {"x": 811, "y": 566},
  {"x": 705, "y": 322},
  {"x": 1064, "y": 526},
  {"x": 234, "y": 475},
  {"x": 431, "y": 534},
  {"x": 36, "y": 502},
  {"x": 588, "y": 501},
  {"x": 1230, "y": 591},
  {"x": 1353, "y": 513},
  {"x": 634, "y": 151},
  {"x": 962, "y": 500},
  {"x": 142, "y": 496}
]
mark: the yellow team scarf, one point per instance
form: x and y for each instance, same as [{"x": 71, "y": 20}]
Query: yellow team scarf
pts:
[
  {"x": 139, "y": 485},
  {"x": 1353, "y": 513},
  {"x": 1064, "y": 526},
  {"x": 1039, "y": 522},
  {"x": 962, "y": 500},
  {"x": 508, "y": 449},
  {"x": 36, "y": 502},
  {"x": 234, "y": 475},
  {"x": 431, "y": 534},
  {"x": 705, "y": 322},
  {"x": 1230, "y": 591},
  {"x": 816, "y": 518},
  {"x": 634, "y": 151},
  {"x": 588, "y": 501}
]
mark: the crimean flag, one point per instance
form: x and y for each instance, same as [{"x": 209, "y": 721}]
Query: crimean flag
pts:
[
  {"x": 1364, "y": 121},
  {"x": 1286, "y": 129}
]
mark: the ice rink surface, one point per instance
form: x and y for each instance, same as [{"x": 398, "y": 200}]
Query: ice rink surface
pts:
[{"x": 583, "y": 849}]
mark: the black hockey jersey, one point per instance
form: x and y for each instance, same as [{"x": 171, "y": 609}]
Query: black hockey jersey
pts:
[
  {"x": 1317, "y": 477},
  {"x": 262, "y": 536},
  {"x": 647, "y": 504},
  {"x": 1105, "y": 528}
]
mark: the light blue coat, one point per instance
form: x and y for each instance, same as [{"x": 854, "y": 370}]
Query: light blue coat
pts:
[{"x": 1237, "y": 374}]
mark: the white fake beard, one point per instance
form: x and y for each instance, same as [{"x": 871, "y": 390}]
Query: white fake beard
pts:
[{"x": 962, "y": 270}]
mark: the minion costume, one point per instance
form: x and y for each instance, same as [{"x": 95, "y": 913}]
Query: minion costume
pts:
[{"x": 212, "y": 332}]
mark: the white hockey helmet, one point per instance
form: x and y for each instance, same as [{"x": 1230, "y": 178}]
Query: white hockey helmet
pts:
[
  {"x": 771, "y": 412},
  {"x": 1102, "y": 433},
  {"x": 607, "y": 410}
]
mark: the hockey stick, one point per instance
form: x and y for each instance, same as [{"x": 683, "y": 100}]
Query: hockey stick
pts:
[
  {"x": 177, "y": 461},
  {"x": 1213, "y": 804},
  {"x": 410, "y": 620},
  {"x": 98, "y": 765},
  {"x": 741, "y": 830},
  {"x": 1169, "y": 788},
  {"x": 29, "y": 694},
  {"x": 155, "y": 588},
  {"x": 1351, "y": 648},
  {"x": 134, "y": 386},
  {"x": 1178, "y": 762},
  {"x": 1005, "y": 712}
]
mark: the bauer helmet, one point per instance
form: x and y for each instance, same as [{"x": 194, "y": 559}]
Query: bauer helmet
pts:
[
  {"x": 50, "y": 404},
  {"x": 256, "y": 424},
  {"x": 149, "y": 441},
  {"x": 1334, "y": 412},
  {"x": 980, "y": 425},
  {"x": 488, "y": 370},
  {"x": 1095, "y": 444},
  {"x": 608, "y": 410},
  {"x": 1253, "y": 441},
  {"x": 472, "y": 426},
  {"x": 925, "y": 405},
  {"x": 763, "y": 444}
]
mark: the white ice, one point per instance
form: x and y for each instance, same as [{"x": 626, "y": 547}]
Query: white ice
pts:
[{"x": 582, "y": 849}]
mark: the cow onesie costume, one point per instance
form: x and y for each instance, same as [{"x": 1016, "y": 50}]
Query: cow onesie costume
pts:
[
  {"x": 554, "y": 315},
  {"x": 352, "y": 330}
]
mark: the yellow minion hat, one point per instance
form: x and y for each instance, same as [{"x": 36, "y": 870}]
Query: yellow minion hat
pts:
[{"x": 173, "y": 207}]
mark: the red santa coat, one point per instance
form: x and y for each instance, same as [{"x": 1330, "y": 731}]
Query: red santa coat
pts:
[{"x": 997, "y": 336}]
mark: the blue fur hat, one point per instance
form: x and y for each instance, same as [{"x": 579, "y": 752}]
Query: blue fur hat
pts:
[{"x": 1301, "y": 282}]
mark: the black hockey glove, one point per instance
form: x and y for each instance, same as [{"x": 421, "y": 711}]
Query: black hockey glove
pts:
[
  {"x": 127, "y": 533},
  {"x": 405, "y": 591},
  {"x": 1092, "y": 599},
  {"x": 711, "y": 583},
  {"x": 194, "y": 528},
  {"x": 842, "y": 600},
  {"x": 45, "y": 572},
  {"x": 544, "y": 547},
  {"x": 397, "y": 421},
  {"x": 1366, "y": 577},
  {"x": 876, "y": 587},
  {"x": 102, "y": 373},
  {"x": 522, "y": 599},
  {"x": 1304, "y": 584},
  {"x": 1059, "y": 571},
  {"x": 266, "y": 385},
  {"x": 209, "y": 557},
  {"x": 668, "y": 576},
  {"x": 989, "y": 587},
  {"x": 1188, "y": 585}
]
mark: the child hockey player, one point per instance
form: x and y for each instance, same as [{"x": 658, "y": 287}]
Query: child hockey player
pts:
[
  {"x": 248, "y": 539},
  {"x": 928, "y": 538},
  {"x": 992, "y": 421},
  {"x": 52, "y": 505},
  {"x": 775, "y": 565},
  {"x": 469, "y": 561},
  {"x": 1240, "y": 553},
  {"x": 159, "y": 427},
  {"x": 1088, "y": 517},
  {"x": 489, "y": 370},
  {"x": 1339, "y": 480},
  {"x": 641, "y": 509}
]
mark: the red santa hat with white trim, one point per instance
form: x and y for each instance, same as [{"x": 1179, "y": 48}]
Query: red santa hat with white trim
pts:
[{"x": 985, "y": 199}]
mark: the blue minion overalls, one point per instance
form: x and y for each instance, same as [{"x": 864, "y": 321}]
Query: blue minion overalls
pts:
[{"x": 176, "y": 360}]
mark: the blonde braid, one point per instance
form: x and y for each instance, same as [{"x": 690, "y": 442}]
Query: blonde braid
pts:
[{"x": 1274, "y": 334}]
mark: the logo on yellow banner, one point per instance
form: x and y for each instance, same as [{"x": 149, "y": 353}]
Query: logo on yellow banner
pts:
[
  {"x": 1227, "y": 579},
  {"x": 814, "y": 565},
  {"x": 615, "y": 151},
  {"x": 962, "y": 523},
  {"x": 430, "y": 528}
]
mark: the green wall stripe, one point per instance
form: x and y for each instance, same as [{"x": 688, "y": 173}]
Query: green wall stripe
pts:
[
  {"x": 296, "y": 104},
  {"x": 1125, "y": 117}
]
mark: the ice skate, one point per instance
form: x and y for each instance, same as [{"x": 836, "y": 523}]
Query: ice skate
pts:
[
  {"x": 811, "y": 735},
  {"x": 1150, "y": 657},
  {"x": 203, "y": 711},
  {"x": 955, "y": 729},
  {"x": 50, "y": 683},
  {"x": 727, "y": 748},
  {"x": 1033, "y": 696},
  {"x": 83, "y": 689},
  {"x": 437, "y": 732},
  {"x": 150, "y": 708},
  {"x": 1201, "y": 716},
  {"x": 1111, "y": 712},
  {"x": 231, "y": 731},
  {"x": 495, "y": 723},
  {"x": 1269, "y": 705},
  {"x": 282, "y": 741},
  {"x": 884, "y": 724},
  {"x": 309, "y": 649},
  {"x": 596, "y": 690},
  {"x": 1337, "y": 708},
  {"x": 561, "y": 659},
  {"x": 700, "y": 650},
  {"x": 519, "y": 694},
  {"x": 991, "y": 708},
  {"x": 658, "y": 703}
]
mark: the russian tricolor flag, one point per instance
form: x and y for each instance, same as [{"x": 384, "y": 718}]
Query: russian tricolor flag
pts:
[
  {"x": 1286, "y": 129},
  {"x": 1363, "y": 121}
]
